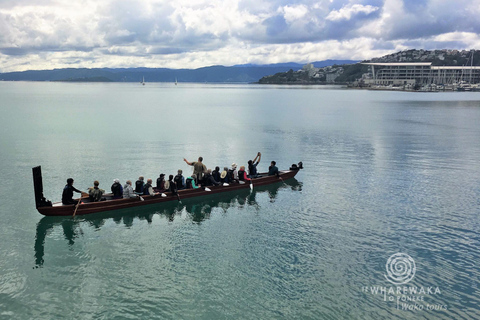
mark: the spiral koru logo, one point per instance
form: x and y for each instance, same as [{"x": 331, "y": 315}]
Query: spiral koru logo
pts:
[{"x": 400, "y": 268}]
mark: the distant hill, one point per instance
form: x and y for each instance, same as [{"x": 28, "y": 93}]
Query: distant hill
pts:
[
  {"x": 217, "y": 74},
  {"x": 296, "y": 66},
  {"x": 443, "y": 57}
]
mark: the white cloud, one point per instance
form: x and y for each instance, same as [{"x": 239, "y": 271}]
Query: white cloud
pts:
[
  {"x": 293, "y": 13},
  {"x": 37, "y": 34},
  {"x": 457, "y": 36},
  {"x": 350, "y": 10}
]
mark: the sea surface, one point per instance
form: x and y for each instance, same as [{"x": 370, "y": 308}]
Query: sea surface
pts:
[{"x": 382, "y": 223}]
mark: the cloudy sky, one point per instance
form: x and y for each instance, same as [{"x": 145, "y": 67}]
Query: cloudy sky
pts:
[{"x": 47, "y": 34}]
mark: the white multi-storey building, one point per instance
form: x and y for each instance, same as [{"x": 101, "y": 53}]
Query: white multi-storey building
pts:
[{"x": 421, "y": 73}]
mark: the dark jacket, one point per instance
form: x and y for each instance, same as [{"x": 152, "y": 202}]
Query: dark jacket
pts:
[
  {"x": 252, "y": 169},
  {"x": 117, "y": 190},
  {"x": 146, "y": 188},
  {"x": 210, "y": 181},
  {"x": 139, "y": 186},
  {"x": 216, "y": 175},
  {"x": 172, "y": 187},
  {"x": 272, "y": 170},
  {"x": 179, "y": 181},
  {"x": 67, "y": 194}
]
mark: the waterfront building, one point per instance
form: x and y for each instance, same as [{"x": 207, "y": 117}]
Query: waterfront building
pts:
[{"x": 420, "y": 73}]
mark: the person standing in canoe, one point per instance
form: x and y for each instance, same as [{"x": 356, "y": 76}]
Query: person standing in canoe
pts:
[
  {"x": 199, "y": 169},
  {"x": 67, "y": 195}
]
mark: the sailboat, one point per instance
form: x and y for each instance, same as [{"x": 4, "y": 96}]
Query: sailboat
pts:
[
  {"x": 143, "y": 81},
  {"x": 176, "y": 81}
]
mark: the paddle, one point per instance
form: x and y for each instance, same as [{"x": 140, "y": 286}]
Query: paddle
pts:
[
  {"x": 178, "y": 197},
  {"x": 76, "y": 207},
  {"x": 251, "y": 184},
  {"x": 284, "y": 183}
]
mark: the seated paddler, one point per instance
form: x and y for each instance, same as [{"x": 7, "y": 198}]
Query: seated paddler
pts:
[
  {"x": 95, "y": 193},
  {"x": 67, "y": 195}
]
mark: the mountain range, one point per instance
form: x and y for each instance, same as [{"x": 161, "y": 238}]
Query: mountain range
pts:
[{"x": 218, "y": 74}]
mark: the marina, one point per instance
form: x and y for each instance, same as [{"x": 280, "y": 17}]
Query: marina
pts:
[{"x": 421, "y": 76}]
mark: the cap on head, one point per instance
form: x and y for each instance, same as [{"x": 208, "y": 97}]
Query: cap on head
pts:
[{"x": 234, "y": 165}]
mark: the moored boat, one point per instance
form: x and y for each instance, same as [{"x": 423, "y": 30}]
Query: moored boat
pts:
[{"x": 48, "y": 208}]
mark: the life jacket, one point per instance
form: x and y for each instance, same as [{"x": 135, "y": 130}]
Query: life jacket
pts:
[
  {"x": 145, "y": 189},
  {"x": 241, "y": 175},
  {"x": 188, "y": 183},
  {"x": 139, "y": 186},
  {"x": 178, "y": 181}
]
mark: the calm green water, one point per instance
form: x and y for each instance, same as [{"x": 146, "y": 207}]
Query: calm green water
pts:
[{"x": 385, "y": 173}]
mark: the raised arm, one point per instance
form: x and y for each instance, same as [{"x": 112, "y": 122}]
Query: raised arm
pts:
[
  {"x": 189, "y": 163},
  {"x": 259, "y": 156}
]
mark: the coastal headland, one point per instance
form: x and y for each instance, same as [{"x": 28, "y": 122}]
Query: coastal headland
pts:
[{"x": 411, "y": 70}]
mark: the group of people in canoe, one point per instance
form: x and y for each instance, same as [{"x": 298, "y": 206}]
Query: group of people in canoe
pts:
[{"x": 201, "y": 176}]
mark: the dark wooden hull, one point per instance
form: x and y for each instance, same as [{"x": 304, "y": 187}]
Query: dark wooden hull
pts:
[{"x": 94, "y": 207}]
